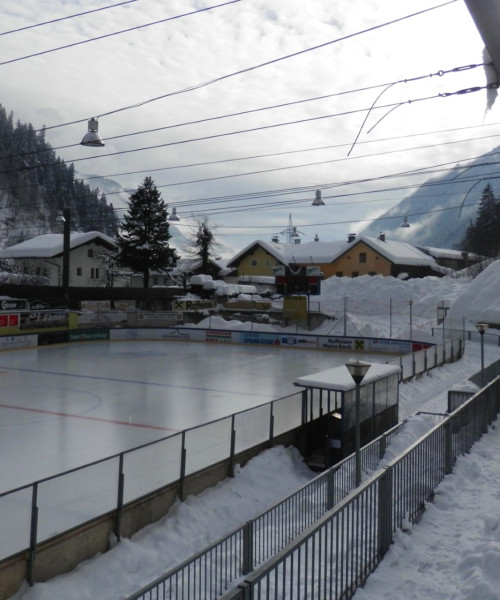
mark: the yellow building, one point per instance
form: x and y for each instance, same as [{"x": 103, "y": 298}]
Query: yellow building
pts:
[{"x": 350, "y": 258}]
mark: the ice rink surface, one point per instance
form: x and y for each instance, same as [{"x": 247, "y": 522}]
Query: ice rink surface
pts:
[{"x": 68, "y": 405}]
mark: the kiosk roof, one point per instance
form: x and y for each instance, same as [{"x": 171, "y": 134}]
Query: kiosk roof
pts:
[{"x": 339, "y": 378}]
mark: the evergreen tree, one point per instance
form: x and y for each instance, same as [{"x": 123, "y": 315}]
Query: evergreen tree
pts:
[
  {"x": 483, "y": 236},
  {"x": 144, "y": 234},
  {"x": 202, "y": 243}
]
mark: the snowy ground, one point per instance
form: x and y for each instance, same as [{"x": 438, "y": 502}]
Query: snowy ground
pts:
[{"x": 454, "y": 552}]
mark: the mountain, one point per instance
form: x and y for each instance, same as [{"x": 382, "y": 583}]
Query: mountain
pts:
[{"x": 441, "y": 209}]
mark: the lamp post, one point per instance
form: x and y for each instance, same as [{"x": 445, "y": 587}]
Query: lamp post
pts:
[
  {"x": 482, "y": 327},
  {"x": 358, "y": 370},
  {"x": 66, "y": 220}
]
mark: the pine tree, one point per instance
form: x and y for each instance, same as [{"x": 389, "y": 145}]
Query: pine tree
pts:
[
  {"x": 482, "y": 236},
  {"x": 203, "y": 243},
  {"x": 144, "y": 234}
]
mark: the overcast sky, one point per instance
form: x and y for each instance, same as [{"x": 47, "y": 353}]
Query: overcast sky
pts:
[{"x": 339, "y": 50}]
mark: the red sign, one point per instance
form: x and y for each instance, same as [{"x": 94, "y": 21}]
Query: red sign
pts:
[{"x": 9, "y": 320}]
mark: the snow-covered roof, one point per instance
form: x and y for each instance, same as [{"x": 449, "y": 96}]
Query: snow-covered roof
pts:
[
  {"x": 400, "y": 253},
  {"x": 339, "y": 378},
  {"x": 51, "y": 244},
  {"x": 272, "y": 248},
  {"x": 397, "y": 252}
]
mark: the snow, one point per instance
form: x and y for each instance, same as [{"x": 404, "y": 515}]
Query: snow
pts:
[
  {"x": 453, "y": 552},
  {"x": 51, "y": 244}
]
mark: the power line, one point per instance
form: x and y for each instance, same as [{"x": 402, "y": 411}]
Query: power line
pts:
[
  {"x": 80, "y": 14},
  {"x": 108, "y": 35},
  {"x": 249, "y": 69},
  {"x": 254, "y": 129}
]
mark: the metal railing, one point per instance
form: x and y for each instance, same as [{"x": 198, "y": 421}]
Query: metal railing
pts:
[
  {"x": 209, "y": 573},
  {"x": 47, "y": 509},
  {"x": 336, "y": 555}
]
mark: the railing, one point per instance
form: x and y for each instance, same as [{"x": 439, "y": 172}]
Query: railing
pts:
[
  {"x": 419, "y": 362},
  {"x": 336, "y": 555},
  {"x": 209, "y": 573},
  {"x": 48, "y": 508}
]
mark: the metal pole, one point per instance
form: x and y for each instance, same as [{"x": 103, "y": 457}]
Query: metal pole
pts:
[
  {"x": 66, "y": 241},
  {"x": 357, "y": 439},
  {"x": 482, "y": 358},
  {"x": 390, "y": 318},
  {"x": 411, "y": 318}
]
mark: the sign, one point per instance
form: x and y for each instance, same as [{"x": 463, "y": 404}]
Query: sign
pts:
[
  {"x": 13, "y": 304},
  {"x": 219, "y": 335},
  {"x": 86, "y": 336},
  {"x": 44, "y": 320},
  {"x": 193, "y": 304},
  {"x": 9, "y": 320},
  {"x": 95, "y": 305},
  {"x": 299, "y": 280}
]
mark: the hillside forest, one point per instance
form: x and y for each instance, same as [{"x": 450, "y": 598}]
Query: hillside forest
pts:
[{"x": 35, "y": 185}]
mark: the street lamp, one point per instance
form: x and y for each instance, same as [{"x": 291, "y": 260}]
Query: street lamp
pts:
[
  {"x": 482, "y": 327},
  {"x": 66, "y": 220},
  {"x": 358, "y": 370}
]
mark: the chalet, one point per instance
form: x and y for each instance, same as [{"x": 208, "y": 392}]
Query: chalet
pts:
[
  {"x": 88, "y": 257},
  {"x": 350, "y": 258}
]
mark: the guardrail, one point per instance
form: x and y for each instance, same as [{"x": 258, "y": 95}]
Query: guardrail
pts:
[
  {"x": 336, "y": 555},
  {"x": 210, "y": 572},
  {"x": 45, "y": 510}
]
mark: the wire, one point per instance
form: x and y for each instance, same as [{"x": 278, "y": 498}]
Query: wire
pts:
[
  {"x": 81, "y": 14},
  {"x": 250, "y": 130},
  {"x": 245, "y": 70},
  {"x": 108, "y": 35}
]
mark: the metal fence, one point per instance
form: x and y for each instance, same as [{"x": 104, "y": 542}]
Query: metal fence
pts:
[
  {"x": 208, "y": 574},
  {"x": 48, "y": 508},
  {"x": 336, "y": 555},
  {"x": 419, "y": 362}
]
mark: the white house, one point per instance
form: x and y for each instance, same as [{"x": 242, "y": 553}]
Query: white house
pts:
[{"x": 88, "y": 257}]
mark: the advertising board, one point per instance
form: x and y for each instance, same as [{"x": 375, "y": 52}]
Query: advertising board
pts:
[{"x": 8, "y": 342}]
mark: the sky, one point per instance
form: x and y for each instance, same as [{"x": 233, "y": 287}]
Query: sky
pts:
[
  {"x": 322, "y": 65},
  {"x": 452, "y": 552}
]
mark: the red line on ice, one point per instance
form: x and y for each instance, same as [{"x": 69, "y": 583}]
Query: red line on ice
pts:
[{"x": 61, "y": 414}]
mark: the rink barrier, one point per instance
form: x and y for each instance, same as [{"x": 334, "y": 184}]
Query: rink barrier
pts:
[
  {"x": 344, "y": 548},
  {"x": 335, "y": 556},
  {"x": 39, "y": 547}
]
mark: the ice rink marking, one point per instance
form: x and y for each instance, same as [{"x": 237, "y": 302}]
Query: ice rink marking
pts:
[{"x": 85, "y": 417}]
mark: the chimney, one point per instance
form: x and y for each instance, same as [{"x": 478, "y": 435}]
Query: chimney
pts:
[
  {"x": 381, "y": 237},
  {"x": 351, "y": 237}
]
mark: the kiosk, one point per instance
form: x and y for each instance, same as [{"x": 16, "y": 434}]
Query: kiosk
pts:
[{"x": 329, "y": 404}]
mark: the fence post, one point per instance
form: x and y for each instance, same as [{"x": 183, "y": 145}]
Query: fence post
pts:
[
  {"x": 330, "y": 488},
  {"x": 385, "y": 512},
  {"x": 448, "y": 448},
  {"x": 247, "y": 559},
  {"x": 233, "y": 447},
  {"x": 30, "y": 567},
  {"x": 119, "y": 502},
  {"x": 183, "y": 467},
  {"x": 382, "y": 446}
]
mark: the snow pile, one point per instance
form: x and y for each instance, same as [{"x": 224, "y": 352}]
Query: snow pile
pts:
[{"x": 480, "y": 302}]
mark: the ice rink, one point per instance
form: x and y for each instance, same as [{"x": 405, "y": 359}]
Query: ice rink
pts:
[{"x": 67, "y": 405}]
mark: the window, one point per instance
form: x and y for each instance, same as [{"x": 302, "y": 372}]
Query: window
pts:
[
  {"x": 355, "y": 274},
  {"x": 78, "y": 271},
  {"x": 155, "y": 280},
  {"x": 362, "y": 257},
  {"x": 253, "y": 262},
  {"x": 339, "y": 274},
  {"x": 90, "y": 252},
  {"x": 372, "y": 273},
  {"x": 94, "y": 273}
]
